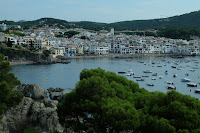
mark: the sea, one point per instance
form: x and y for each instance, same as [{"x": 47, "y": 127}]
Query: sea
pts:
[{"x": 168, "y": 70}]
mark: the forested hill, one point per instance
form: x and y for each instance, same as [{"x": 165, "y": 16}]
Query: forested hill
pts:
[{"x": 186, "y": 20}]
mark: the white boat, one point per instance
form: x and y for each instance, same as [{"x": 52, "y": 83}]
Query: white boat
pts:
[
  {"x": 128, "y": 74},
  {"x": 147, "y": 71},
  {"x": 197, "y": 91},
  {"x": 155, "y": 74},
  {"x": 192, "y": 70},
  {"x": 170, "y": 82},
  {"x": 129, "y": 70},
  {"x": 132, "y": 73},
  {"x": 192, "y": 85},
  {"x": 171, "y": 87},
  {"x": 139, "y": 79},
  {"x": 178, "y": 68},
  {"x": 160, "y": 77},
  {"x": 175, "y": 75},
  {"x": 185, "y": 80},
  {"x": 150, "y": 84}
]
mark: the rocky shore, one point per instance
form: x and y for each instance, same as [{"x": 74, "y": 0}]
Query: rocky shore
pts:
[{"x": 36, "y": 110}]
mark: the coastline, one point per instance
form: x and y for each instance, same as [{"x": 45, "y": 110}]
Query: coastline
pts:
[{"x": 20, "y": 63}]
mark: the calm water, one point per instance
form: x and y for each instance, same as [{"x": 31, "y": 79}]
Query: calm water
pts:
[{"x": 67, "y": 75}]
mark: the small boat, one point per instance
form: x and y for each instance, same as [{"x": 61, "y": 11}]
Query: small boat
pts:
[
  {"x": 146, "y": 76},
  {"x": 155, "y": 74},
  {"x": 175, "y": 75},
  {"x": 170, "y": 82},
  {"x": 192, "y": 70},
  {"x": 147, "y": 71},
  {"x": 160, "y": 77},
  {"x": 159, "y": 66},
  {"x": 153, "y": 79},
  {"x": 136, "y": 77},
  {"x": 139, "y": 79},
  {"x": 150, "y": 84},
  {"x": 128, "y": 74},
  {"x": 185, "y": 80},
  {"x": 173, "y": 66},
  {"x": 121, "y": 72},
  {"x": 166, "y": 72},
  {"x": 132, "y": 73},
  {"x": 129, "y": 70},
  {"x": 171, "y": 87},
  {"x": 128, "y": 59},
  {"x": 178, "y": 68},
  {"x": 192, "y": 85},
  {"x": 197, "y": 91},
  {"x": 186, "y": 74}
]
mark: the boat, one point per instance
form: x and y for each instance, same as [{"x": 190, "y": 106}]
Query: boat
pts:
[
  {"x": 159, "y": 66},
  {"x": 185, "y": 80},
  {"x": 166, "y": 72},
  {"x": 155, "y": 74},
  {"x": 129, "y": 70},
  {"x": 197, "y": 91},
  {"x": 121, "y": 72},
  {"x": 132, "y": 73},
  {"x": 173, "y": 66},
  {"x": 153, "y": 79},
  {"x": 186, "y": 74},
  {"x": 139, "y": 79},
  {"x": 171, "y": 87},
  {"x": 147, "y": 71},
  {"x": 150, "y": 84},
  {"x": 170, "y": 82},
  {"x": 192, "y": 85},
  {"x": 178, "y": 68},
  {"x": 160, "y": 77},
  {"x": 175, "y": 75},
  {"x": 192, "y": 70},
  {"x": 128, "y": 74},
  {"x": 146, "y": 76},
  {"x": 128, "y": 59},
  {"x": 136, "y": 77}
]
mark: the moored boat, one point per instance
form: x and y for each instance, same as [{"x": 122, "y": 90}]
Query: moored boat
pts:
[
  {"x": 121, "y": 72},
  {"x": 192, "y": 85},
  {"x": 139, "y": 79},
  {"x": 147, "y": 71},
  {"x": 171, "y": 87},
  {"x": 197, "y": 91},
  {"x": 185, "y": 80},
  {"x": 150, "y": 84}
]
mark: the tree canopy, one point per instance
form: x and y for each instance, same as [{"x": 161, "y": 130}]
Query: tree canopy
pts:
[
  {"x": 105, "y": 102},
  {"x": 8, "y": 96}
]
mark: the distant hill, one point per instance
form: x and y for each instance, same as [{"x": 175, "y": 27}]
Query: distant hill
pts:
[{"x": 186, "y": 20}]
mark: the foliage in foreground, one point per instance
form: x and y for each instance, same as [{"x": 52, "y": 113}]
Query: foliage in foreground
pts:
[
  {"x": 8, "y": 96},
  {"x": 105, "y": 102},
  {"x": 31, "y": 131}
]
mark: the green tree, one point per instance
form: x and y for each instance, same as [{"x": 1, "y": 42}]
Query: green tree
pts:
[{"x": 8, "y": 81}]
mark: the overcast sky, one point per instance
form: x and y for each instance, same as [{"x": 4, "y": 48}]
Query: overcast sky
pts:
[{"x": 107, "y": 11}]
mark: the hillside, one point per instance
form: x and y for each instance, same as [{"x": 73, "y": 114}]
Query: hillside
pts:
[{"x": 185, "y": 20}]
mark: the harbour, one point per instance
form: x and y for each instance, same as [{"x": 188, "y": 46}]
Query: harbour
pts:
[{"x": 143, "y": 70}]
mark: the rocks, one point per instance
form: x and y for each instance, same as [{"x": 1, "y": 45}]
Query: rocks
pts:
[
  {"x": 31, "y": 114},
  {"x": 33, "y": 91},
  {"x": 56, "y": 94},
  {"x": 35, "y": 111}
]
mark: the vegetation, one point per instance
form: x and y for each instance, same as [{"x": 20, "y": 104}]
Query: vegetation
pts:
[
  {"x": 178, "y": 33},
  {"x": 70, "y": 34},
  {"x": 31, "y": 131},
  {"x": 8, "y": 81},
  {"x": 105, "y": 102}
]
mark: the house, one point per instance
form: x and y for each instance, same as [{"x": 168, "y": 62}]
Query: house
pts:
[{"x": 57, "y": 52}]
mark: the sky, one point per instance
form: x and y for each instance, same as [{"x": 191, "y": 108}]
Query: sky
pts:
[{"x": 107, "y": 11}]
